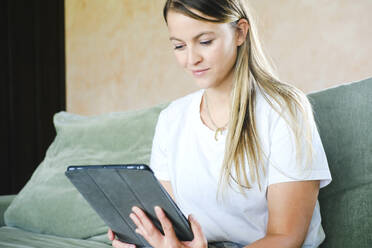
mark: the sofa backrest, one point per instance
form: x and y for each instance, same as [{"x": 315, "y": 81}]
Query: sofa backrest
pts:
[{"x": 344, "y": 119}]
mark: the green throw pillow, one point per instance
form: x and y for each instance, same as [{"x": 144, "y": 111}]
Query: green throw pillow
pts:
[{"x": 49, "y": 203}]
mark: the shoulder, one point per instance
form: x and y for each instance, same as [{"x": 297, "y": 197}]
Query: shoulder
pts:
[
  {"x": 296, "y": 108},
  {"x": 180, "y": 106},
  {"x": 274, "y": 118},
  {"x": 266, "y": 108},
  {"x": 174, "y": 116}
]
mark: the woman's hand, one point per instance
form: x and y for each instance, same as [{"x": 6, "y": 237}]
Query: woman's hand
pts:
[
  {"x": 169, "y": 240},
  {"x": 116, "y": 243}
]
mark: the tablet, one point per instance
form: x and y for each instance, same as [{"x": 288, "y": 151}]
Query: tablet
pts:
[{"x": 112, "y": 191}]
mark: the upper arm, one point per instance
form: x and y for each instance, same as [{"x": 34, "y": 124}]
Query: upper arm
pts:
[
  {"x": 293, "y": 184},
  {"x": 289, "y": 161},
  {"x": 159, "y": 158},
  {"x": 291, "y": 206}
]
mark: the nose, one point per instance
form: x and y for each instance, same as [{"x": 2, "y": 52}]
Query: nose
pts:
[{"x": 193, "y": 56}]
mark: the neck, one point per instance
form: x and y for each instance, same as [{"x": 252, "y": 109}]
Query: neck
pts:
[
  {"x": 219, "y": 97},
  {"x": 215, "y": 107}
]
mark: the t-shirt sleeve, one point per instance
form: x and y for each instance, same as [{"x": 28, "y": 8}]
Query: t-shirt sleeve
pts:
[
  {"x": 158, "y": 161},
  {"x": 283, "y": 166}
]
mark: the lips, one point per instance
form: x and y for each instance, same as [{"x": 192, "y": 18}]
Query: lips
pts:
[{"x": 199, "y": 72}]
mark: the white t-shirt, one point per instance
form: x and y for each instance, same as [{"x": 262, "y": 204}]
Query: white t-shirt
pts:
[{"x": 186, "y": 153}]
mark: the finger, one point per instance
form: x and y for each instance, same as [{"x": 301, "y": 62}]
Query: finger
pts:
[
  {"x": 165, "y": 224},
  {"x": 196, "y": 228},
  {"x": 146, "y": 223},
  {"x": 117, "y": 244},
  {"x": 139, "y": 231},
  {"x": 110, "y": 234},
  {"x": 140, "y": 228},
  {"x": 146, "y": 227}
]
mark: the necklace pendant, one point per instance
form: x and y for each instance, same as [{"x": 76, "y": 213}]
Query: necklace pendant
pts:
[{"x": 219, "y": 130}]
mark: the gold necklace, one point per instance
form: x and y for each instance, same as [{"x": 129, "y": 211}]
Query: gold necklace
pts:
[{"x": 218, "y": 129}]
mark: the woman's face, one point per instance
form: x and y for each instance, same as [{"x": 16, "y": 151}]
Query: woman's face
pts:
[{"x": 204, "y": 49}]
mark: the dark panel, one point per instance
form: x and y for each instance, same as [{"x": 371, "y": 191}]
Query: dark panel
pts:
[
  {"x": 34, "y": 82},
  {"x": 51, "y": 69},
  {"x": 22, "y": 92},
  {"x": 5, "y": 181}
]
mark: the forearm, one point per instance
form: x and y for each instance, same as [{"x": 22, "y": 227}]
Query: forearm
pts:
[{"x": 275, "y": 240}]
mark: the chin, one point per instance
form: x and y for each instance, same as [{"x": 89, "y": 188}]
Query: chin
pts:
[{"x": 204, "y": 84}]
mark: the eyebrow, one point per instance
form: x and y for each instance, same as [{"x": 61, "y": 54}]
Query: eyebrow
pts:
[{"x": 196, "y": 37}]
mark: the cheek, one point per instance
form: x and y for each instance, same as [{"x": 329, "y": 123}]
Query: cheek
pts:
[
  {"x": 181, "y": 58},
  {"x": 224, "y": 54},
  {"x": 229, "y": 49}
]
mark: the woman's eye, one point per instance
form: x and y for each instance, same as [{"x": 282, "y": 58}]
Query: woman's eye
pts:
[
  {"x": 178, "y": 47},
  {"x": 207, "y": 42}
]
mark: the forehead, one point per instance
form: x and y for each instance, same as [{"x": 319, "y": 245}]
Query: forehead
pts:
[{"x": 184, "y": 27}]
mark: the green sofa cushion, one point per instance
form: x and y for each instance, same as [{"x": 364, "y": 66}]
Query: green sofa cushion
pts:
[
  {"x": 344, "y": 118},
  {"x": 49, "y": 203},
  {"x": 5, "y": 201},
  {"x": 17, "y": 238}
]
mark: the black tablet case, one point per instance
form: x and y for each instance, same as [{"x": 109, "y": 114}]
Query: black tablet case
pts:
[{"x": 112, "y": 191}]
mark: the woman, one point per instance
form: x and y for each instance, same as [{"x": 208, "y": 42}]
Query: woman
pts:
[{"x": 243, "y": 154}]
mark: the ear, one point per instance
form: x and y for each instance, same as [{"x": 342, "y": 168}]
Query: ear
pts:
[{"x": 241, "y": 31}]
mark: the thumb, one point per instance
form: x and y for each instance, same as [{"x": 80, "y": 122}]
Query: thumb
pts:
[
  {"x": 197, "y": 231},
  {"x": 110, "y": 234}
]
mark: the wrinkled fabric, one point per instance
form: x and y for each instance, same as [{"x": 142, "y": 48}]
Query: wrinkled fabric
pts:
[{"x": 16, "y": 238}]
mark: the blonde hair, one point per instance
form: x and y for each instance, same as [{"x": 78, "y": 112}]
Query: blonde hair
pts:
[{"x": 252, "y": 72}]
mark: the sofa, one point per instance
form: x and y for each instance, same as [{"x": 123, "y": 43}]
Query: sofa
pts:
[{"x": 49, "y": 212}]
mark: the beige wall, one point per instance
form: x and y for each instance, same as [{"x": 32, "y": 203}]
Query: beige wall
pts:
[{"x": 118, "y": 56}]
